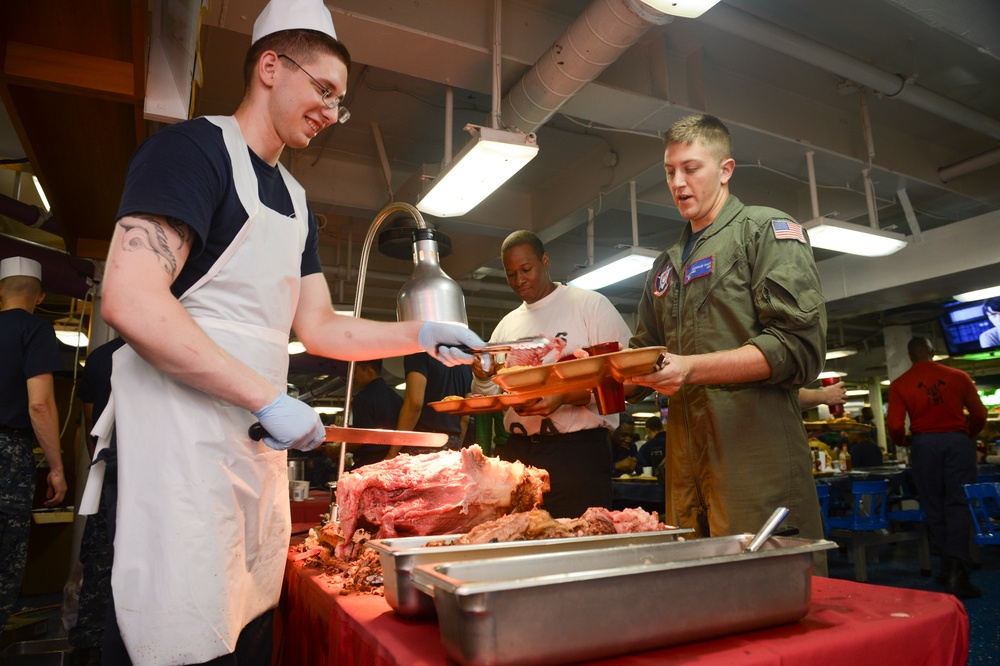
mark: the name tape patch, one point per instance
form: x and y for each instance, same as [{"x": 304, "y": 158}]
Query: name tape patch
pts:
[{"x": 698, "y": 269}]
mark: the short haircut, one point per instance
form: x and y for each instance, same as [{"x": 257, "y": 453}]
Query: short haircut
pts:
[
  {"x": 375, "y": 364},
  {"x": 22, "y": 285},
  {"x": 302, "y": 46},
  {"x": 705, "y": 128},
  {"x": 992, "y": 304},
  {"x": 523, "y": 237},
  {"x": 919, "y": 347},
  {"x": 624, "y": 418},
  {"x": 654, "y": 423}
]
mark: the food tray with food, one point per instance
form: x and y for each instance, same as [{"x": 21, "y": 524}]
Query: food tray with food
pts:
[
  {"x": 580, "y": 373},
  {"x": 553, "y": 608},
  {"x": 474, "y": 405},
  {"x": 846, "y": 425},
  {"x": 399, "y": 556}
]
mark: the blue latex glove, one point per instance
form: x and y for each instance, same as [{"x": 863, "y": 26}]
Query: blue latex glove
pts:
[
  {"x": 441, "y": 341},
  {"x": 291, "y": 424}
]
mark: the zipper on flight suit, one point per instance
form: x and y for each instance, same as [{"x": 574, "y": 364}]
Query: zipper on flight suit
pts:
[{"x": 680, "y": 332}]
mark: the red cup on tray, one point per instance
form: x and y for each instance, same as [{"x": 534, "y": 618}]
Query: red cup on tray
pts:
[{"x": 610, "y": 393}]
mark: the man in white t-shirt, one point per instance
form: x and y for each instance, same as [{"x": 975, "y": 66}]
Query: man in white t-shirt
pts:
[{"x": 564, "y": 433}]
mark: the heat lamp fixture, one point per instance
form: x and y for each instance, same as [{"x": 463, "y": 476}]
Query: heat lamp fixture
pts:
[
  {"x": 839, "y": 236},
  {"x": 429, "y": 295},
  {"x": 489, "y": 160}
]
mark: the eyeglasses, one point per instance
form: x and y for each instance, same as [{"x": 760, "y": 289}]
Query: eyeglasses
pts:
[{"x": 326, "y": 95}]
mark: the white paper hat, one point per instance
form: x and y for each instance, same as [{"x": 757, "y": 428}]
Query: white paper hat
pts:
[
  {"x": 12, "y": 266},
  {"x": 293, "y": 15}
]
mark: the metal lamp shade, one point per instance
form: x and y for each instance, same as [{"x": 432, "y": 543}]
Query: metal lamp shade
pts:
[{"x": 430, "y": 295}]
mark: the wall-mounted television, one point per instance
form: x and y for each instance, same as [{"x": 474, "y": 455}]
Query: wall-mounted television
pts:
[{"x": 972, "y": 330}]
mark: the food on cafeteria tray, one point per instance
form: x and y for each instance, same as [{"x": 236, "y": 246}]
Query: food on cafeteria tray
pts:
[
  {"x": 539, "y": 524},
  {"x": 451, "y": 397},
  {"x": 447, "y": 492},
  {"x": 511, "y": 368}
]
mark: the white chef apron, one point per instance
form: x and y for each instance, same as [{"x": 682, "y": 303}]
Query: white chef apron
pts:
[{"x": 203, "y": 519}]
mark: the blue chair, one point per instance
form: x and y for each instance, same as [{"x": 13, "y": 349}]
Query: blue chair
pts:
[
  {"x": 823, "y": 492},
  {"x": 866, "y": 525},
  {"x": 984, "y": 502},
  {"x": 988, "y": 478}
]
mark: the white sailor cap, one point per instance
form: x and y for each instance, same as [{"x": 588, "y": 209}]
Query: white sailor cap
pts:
[
  {"x": 13, "y": 266},
  {"x": 293, "y": 15}
]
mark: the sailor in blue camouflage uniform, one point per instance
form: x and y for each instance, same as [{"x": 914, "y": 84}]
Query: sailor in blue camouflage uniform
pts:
[{"x": 30, "y": 355}]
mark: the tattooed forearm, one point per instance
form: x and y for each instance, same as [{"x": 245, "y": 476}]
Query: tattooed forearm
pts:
[{"x": 152, "y": 238}]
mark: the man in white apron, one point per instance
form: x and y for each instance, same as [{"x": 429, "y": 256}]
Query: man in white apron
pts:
[{"x": 213, "y": 261}]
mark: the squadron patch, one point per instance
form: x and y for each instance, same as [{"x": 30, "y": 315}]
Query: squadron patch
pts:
[
  {"x": 662, "y": 282},
  {"x": 698, "y": 269},
  {"x": 787, "y": 230}
]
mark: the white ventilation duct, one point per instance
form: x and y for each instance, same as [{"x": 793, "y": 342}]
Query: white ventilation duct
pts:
[{"x": 598, "y": 37}]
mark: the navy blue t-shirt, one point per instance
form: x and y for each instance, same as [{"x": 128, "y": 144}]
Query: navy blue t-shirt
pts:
[
  {"x": 183, "y": 172},
  {"x": 28, "y": 348},
  {"x": 442, "y": 381}
]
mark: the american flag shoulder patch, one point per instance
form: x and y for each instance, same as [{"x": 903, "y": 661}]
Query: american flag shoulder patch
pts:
[{"x": 786, "y": 229}]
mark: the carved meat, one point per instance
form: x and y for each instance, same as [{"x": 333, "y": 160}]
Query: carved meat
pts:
[
  {"x": 435, "y": 493},
  {"x": 538, "y": 524}
]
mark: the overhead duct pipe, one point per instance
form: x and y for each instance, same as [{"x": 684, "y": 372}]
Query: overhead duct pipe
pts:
[
  {"x": 768, "y": 35},
  {"x": 28, "y": 215},
  {"x": 598, "y": 37},
  {"x": 969, "y": 165}
]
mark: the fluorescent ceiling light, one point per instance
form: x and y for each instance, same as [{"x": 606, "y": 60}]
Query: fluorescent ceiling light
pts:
[
  {"x": 624, "y": 265},
  {"x": 978, "y": 294},
  {"x": 840, "y": 353},
  {"x": 72, "y": 338},
  {"x": 41, "y": 193},
  {"x": 831, "y": 373},
  {"x": 644, "y": 415},
  {"x": 328, "y": 410},
  {"x": 857, "y": 392},
  {"x": 685, "y": 8},
  {"x": 839, "y": 236},
  {"x": 490, "y": 158},
  {"x": 296, "y": 347},
  {"x": 401, "y": 386}
]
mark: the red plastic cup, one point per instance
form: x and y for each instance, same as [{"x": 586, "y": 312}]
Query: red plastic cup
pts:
[
  {"x": 835, "y": 410},
  {"x": 610, "y": 393}
]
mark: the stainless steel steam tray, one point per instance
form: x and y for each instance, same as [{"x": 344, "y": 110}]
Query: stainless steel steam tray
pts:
[
  {"x": 559, "y": 607},
  {"x": 399, "y": 556}
]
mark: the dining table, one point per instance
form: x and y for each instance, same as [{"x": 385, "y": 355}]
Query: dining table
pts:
[{"x": 846, "y": 622}]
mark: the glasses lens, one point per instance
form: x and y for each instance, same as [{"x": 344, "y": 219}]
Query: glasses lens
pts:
[{"x": 343, "y": 115}]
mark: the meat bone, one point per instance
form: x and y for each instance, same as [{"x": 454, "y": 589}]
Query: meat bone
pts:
[{"x": 257, "y": 432}]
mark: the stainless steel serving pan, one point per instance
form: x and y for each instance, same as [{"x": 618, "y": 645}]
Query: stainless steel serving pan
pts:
[
  {"x": 399, "y": 556},
  {"x": 559, "y": 607}
]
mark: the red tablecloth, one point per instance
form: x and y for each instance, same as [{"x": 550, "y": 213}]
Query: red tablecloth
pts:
[
  {"x": 309, "y": 511},
  {"x": 848, "y": 623}
]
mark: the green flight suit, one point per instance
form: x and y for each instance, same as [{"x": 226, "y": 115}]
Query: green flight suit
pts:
[{"x": 736, "y": 452}]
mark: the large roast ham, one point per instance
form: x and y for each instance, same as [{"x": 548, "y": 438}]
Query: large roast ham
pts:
[{"x": 449, "y": 492}]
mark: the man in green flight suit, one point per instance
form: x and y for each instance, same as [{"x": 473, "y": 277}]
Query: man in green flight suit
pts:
[{"x": 737, "y": 302}]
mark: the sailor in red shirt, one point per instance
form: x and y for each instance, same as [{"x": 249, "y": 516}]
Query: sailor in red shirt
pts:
[{"x": 942, "y": 454}]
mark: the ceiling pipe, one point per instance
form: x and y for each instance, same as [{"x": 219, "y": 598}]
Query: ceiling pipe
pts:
[
  {"x": 61, "y": 273},
  {"x": 969, "y": 165},
  {"x": 893, "y": 86},
  {"x": 598, "y": 37},
  {"x": 28, "y": 215}
]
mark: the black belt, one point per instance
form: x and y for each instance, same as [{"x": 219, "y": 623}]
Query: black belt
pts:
[{"x": 556, "y": 437}]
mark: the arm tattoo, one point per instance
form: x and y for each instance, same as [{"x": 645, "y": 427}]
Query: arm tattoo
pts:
[{"x": 154, "y": 239}]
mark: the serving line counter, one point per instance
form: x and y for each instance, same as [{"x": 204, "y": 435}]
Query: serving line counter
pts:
[{"x": 847, "y": 622}]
